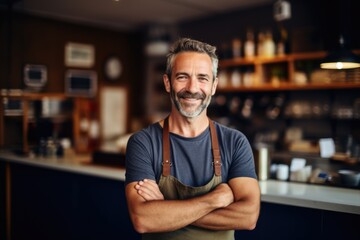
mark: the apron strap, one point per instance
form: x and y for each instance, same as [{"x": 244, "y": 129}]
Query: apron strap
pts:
[
  {"x": 166, "y": 149},
  {"x": 215, "y": 149}
]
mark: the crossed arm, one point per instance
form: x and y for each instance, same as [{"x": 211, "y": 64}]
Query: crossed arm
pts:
[{"x": 235, "y": 205}]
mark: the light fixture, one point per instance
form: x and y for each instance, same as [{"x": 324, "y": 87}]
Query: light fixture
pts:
[{"x": 342, "y": 58}]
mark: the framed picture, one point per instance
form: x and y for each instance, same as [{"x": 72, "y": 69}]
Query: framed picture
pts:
[
  {"x": 79, "y": 55},
  {"x": 81, "y": 83},
  {"x": 35, "y": 76},
  {"x": 113, "y": 112}
]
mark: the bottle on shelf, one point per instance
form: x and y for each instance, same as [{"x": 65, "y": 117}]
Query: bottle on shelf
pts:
[
  {"x": 236, "y": 48},
  {"x": 280, "y": 48},
  {"x": 249, "y": 45},
  {"x": 223, "y": 78},
  {"x": 269, "y": 45},
  {"x": 260, "y": 44},
  {"x": 235, "y": 78}
]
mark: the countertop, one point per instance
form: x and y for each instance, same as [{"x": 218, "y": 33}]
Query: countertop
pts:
[
  {"x": 272, "y": 191},
  {"x": 311, "y": 196},
  {"x": 78, "y": 164}
]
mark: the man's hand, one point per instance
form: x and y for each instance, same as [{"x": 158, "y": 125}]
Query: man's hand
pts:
[
  {"x": 242, "y": 213},
  {"x": 224, "y": 195},
  {"x": 149, "y": 190},
  {"x": 234, "y": 205}
]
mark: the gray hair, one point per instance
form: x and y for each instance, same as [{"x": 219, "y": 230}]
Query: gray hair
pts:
[{"x": 191, "y": 45}]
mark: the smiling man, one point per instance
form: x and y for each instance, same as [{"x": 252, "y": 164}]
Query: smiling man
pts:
[{"x": 188, "y": 177}]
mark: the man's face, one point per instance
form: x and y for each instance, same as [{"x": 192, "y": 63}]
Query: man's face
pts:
[{"x": 192, "y": 83}]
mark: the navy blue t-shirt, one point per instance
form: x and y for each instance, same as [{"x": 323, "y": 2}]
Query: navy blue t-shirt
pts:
[{"x": 191, "y": 157}]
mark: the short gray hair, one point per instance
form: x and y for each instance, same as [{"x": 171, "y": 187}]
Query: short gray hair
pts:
[{"x": 191, "y": 45}]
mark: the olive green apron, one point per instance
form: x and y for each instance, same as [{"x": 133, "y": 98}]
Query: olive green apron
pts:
[{"x": 173, "y": 189}]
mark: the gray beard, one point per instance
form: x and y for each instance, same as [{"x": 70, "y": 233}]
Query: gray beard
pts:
[{"x": 204, "y": 104}]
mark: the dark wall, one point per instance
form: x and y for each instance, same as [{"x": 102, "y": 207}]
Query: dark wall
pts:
[
  {"x": 27, "y": 39},
  {"x": 314, "y": 24}
]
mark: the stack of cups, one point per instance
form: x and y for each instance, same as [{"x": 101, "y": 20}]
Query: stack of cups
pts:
[{"x": 282, "y": 172}]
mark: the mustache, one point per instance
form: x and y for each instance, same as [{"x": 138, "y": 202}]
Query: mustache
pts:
[{"x": 186, "y": 94}]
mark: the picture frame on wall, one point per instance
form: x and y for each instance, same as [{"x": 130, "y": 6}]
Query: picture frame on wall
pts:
[
  {"x": 113, "y": 112},
  {"x": 79, "y": 55},
  {"x": 35, "y": 76},
  {"x": 80, "y": 83}
]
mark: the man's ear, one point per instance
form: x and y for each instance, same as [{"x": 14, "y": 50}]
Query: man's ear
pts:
[
  {"x": 216, "y": 81},
  {"x": 166, "y": 82}
]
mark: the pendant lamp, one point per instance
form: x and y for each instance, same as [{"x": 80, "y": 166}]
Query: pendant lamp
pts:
[{"x": 342, "y": 58}]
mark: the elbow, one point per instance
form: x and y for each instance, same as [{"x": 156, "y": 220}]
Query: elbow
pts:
[
  {"x": 248, "y": 225},
  {"x": 251, "y": 221},
  {"x": 139, "y": 225},
  {"x": 254, "y": 216},
  {"x": 143, "y": 224},
  {"x": 251, "y": 225}
]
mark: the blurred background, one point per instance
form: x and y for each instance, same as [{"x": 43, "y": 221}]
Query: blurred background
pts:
[
  {"x": 137, "y": 34},
  {"x": 78, "y": 77}
]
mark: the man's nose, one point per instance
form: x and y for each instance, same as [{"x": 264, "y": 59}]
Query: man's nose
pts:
[{"x": 192, "y": 85}]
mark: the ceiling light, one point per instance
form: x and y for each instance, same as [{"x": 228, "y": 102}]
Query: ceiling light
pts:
[{"x": 342, "y": 58}]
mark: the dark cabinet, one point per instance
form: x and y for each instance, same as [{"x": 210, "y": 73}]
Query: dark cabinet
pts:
[
  {"x": 284, "y": 222},
  {"x": 51, "y": 204}
]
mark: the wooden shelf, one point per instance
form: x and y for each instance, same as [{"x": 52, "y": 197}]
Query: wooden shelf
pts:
[
  {"x": 79, "y": 109},
  {"x": 263, "y": 67},
  {"x": 286, "y": 86},
  {"x": 268, "y": 60},
  {"x": 276, "y": 59}
]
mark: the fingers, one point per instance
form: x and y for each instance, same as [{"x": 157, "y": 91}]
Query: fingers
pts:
[
  {"x": 226, "y": 196},
  {"x": 149, "y": 190}
]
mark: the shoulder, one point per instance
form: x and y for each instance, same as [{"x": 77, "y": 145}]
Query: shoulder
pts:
[
  {"x": 226, "y": 131},
  {"x": 147, "y": 133},
  {"x": 145, "y": 138}
]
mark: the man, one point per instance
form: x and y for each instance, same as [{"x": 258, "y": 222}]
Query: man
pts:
[{"x": 188, "y": 177}]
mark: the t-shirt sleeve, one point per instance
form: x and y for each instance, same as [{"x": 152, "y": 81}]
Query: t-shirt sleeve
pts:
[
  {"x": 139, "y": 158},
  {"x": 242, "y": 164}
]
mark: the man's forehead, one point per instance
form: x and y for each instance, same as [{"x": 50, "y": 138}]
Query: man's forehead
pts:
[{"x": 200, "y": 61}]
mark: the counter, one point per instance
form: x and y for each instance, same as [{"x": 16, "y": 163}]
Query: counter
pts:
[
  {"x": 272, "y": 191},
  {"x": 311, "y": 196},
  {"x": 62, "y": 199},
  {"x": 74, "y": 199},
  {"x": 78, "y": 164}
]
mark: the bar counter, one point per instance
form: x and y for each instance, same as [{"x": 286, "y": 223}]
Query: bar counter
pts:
[
  {"x": 72, "y": 198},
  {"x": 272, "y": 191}
]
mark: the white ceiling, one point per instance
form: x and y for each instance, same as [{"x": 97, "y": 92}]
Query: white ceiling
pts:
[{"x": 130, "y": 14}]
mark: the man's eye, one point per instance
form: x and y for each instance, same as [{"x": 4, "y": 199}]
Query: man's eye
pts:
[{"x": 181, "y": 77}]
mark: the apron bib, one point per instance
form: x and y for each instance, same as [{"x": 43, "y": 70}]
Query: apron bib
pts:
[{"x": 173, "y": 189}]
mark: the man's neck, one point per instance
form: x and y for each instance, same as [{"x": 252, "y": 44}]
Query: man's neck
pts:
[{"x": 188, "y": 127}]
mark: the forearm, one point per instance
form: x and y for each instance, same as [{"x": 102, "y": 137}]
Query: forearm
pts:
[
  {"x": 240, "y": 215},
  {"x": 151, "y": 214},
  {"x": 169, "y": 215}
]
